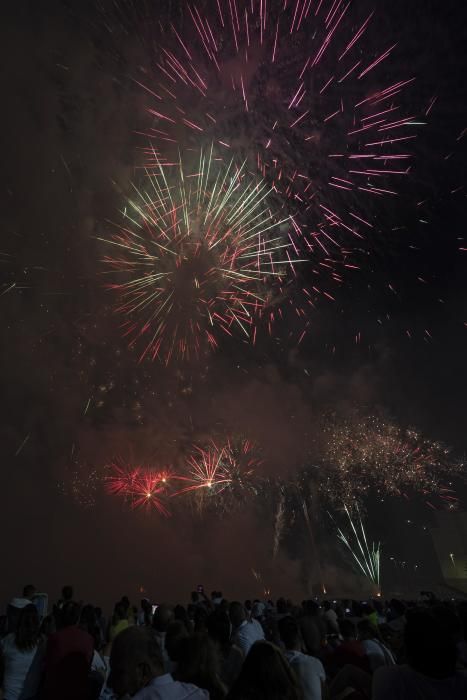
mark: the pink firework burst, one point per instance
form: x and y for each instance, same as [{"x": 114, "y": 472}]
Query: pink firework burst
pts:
[
  {"x": 309, "y": 95},
  {"x": 142, "y": 487}
]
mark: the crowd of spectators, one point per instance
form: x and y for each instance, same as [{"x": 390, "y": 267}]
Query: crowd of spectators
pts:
[{"x": 213, "y": 648}]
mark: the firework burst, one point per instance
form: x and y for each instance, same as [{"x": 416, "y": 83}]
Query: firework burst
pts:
[
  {"x": 307, "y": 94},
  {"x": 81, "y": 483},
  {"x": 371, "y": 455},
  {"x": 141, "y": 487},
  {"x": 197, "y": 258},
  {"x": 224, "y": 474}
]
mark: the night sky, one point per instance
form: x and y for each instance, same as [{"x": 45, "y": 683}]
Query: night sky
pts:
[{"x": 74, "y": 395}]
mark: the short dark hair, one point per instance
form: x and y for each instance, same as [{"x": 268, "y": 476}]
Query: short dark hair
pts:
[
  {"x": 311, "y": 607},
  {"x": 135, "y": 645},
  {"x": 281, "y": 606},
  {"x": 67, "y": 592},
  {"x": 218, "y": 625},
  {"x": 27, "y": 631},
  {"x": 69, "y": 614},
  {"x": 29, "y": 590},
  {"x": 347, "y": 628},
  {"x": 289, "y": 631},
  {"x": 431, "y": 636}
]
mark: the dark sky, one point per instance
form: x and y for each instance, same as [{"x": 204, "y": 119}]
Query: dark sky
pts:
[{"x": 70, "y": 148}]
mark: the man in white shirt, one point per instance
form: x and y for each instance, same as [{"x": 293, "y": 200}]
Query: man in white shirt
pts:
[
  {"x": 137, "y": 670},
  {"x": 308, "y": 669},
  {"x": 245, "y": 633},
  {"x": 330, "y": 617}
]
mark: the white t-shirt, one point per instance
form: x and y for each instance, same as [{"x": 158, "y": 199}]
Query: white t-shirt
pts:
[
  {"x": 17, "y": 664},
  {"x": 402, "y": 683},
  {"x": 165, "y": 688},
  {"x": 309, "y": 671},
  {"x": 331, "y": 620},
  {"x": 378, "y": 654},
  {"x": 98, "y": 664},
  {"x": 247, "y": 634}
]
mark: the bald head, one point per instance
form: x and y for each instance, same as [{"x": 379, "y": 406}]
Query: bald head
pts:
[{"x": 135, "y": 660}]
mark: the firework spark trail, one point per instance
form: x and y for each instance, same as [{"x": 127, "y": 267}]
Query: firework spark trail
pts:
[
  {"x": 279, "y": 522},
  {"x": 22, "y": 445},
  {"x": 198, "y": 257},
  {"x": 295, "y": 89},
  {"x": 366, "y": 557}
]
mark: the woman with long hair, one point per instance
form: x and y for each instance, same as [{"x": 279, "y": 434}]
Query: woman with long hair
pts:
[
  {"x": 19, "y": 650},
  {"x": 198, "y": 663},
  {"x": 266, "y": 675}
]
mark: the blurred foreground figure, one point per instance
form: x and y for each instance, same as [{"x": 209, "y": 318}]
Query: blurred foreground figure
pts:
[{"x": 137, "y": 670}]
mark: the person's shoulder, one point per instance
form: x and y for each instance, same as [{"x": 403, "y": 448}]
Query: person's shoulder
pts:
[
  {"x": 461, "y": 678},
  {"x": 311, "y": 661},
  {"x": 388, "y": 678},
  {"x": 188, "y": 690},
  {"x": 7, "y": 642}
]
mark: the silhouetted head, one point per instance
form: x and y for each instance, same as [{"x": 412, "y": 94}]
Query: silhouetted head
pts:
[
  {"x": 289, "y": 632},
  {"x": 198, "y": 663},
  {"x": 135, "y": 660},
  {"x": 311, "y": 607},
  {"x": 27, "y": 630},
  {"x": 281, "y": 606},
  {"x": 163, "y": 615},
  {"x": 67, "y": 593},
  {"x": 265, "y": 675},
  {"x": 431, "y": 637},
  {"x": 176, "y": 631},
  {"x": 69, "y": 614},
  {"x": 29, "y": 591},
  {"x": 219, "y": 627},
  {"x": 237, "y": 614},
  {"x": 348, "y": 629}
]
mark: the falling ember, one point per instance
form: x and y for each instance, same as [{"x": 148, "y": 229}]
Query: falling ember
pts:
[{"x": 196, "y": 257}]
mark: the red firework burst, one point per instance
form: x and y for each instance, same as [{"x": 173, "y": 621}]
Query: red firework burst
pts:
[{"x": 142, "y": 487}]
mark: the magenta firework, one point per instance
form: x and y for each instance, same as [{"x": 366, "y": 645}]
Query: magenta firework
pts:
[{"x": 310, "y": 94}]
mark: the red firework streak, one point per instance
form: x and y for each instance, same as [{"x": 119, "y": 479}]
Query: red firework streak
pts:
[{"x": 144, "y": 488}]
